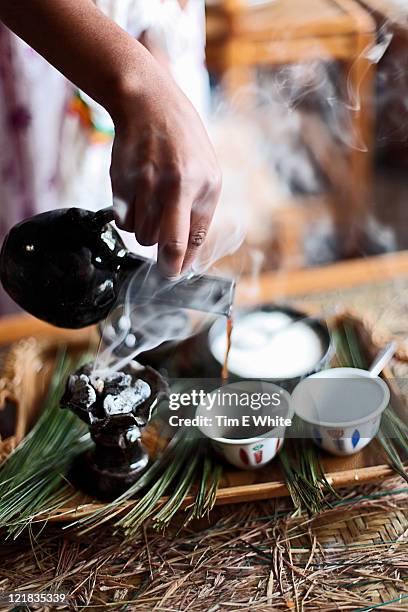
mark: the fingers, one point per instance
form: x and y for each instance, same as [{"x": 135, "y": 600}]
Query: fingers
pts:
[
  {"x": 135, "y": 176},
  {"x": 149, "y": 234},
  {"x": 202, "y": 213},
  {"x": 162, "y": 203},
  {"x": 173, "y": 238},
  {"x": 199, "y": 224},
  {"x": 146, "y": 218},
  {"x": 184, "y": 229},
  {"x": 136, "y": 207},
  {"x": 162, "y": 214},
  {"x": 123, "y": 194}
]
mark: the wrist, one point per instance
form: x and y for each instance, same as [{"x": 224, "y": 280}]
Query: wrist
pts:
[{"x": 130, "y": 85}]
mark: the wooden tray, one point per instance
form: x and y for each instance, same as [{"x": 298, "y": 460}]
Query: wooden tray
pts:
[{"x": 27, "y": 373}]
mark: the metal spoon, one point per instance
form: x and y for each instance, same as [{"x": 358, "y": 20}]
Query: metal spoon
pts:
[{"x": 382, "y": 359}]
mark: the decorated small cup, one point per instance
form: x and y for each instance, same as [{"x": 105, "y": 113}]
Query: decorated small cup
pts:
[
  {"x": 341, "y": 408},
  {"x": 247, "y": 437}
]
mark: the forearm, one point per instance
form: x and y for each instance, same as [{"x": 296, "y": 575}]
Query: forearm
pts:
[
  {"x": 165, "y": 177},
  {"x": 79, "y": 40}
]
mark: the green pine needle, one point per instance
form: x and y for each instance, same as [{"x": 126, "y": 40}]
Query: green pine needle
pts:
[
  {"x": 33, "y": 477},
  {"x": 185, "y": 466}
]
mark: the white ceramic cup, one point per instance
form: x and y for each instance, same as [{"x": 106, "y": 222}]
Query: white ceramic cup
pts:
[
  {"x": 342, "y": 408},
  {"x": 253, "y": 446}
]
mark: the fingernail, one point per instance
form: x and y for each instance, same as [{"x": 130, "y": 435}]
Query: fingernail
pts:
[
  {"x": 166, "y": 270},
  {"x": 120, "y": 209}
]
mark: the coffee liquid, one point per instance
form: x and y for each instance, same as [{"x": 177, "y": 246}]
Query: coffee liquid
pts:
[{"x": 224, "y": 371}]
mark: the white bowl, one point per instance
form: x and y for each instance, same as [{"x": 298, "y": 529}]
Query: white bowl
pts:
[
  {"x": 342, "y": 408},
  {"x": 274, "y": 343}
]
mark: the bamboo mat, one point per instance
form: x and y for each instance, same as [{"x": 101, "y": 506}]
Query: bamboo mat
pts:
[
  {"x": 252, "y": 557},
  {"x": 255, "y": 556}
]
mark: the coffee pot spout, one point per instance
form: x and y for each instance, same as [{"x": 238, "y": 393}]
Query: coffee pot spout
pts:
[{"x": 206, "y": 293}]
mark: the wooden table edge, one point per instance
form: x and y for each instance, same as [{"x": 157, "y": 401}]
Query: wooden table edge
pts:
[
  {"x": 340, "y": 275},
  {"x": 242, "y": 493}
]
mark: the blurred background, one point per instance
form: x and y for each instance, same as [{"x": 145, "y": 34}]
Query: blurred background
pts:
[
  {"x": 322, "y": 90},
  {"x": 306, "y": 103}
]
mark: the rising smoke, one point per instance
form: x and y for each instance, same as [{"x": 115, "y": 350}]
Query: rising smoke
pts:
[{"x": 296, "y": 124}]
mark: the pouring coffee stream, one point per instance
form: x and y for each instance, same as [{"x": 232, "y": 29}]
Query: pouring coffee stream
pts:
[{"x": 69, "y": 267}]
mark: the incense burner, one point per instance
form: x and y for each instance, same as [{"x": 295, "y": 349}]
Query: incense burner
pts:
[{"x": 116, "y": 407}]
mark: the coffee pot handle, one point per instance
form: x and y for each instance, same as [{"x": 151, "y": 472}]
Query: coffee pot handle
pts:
[{"x": 103, "y": 216}]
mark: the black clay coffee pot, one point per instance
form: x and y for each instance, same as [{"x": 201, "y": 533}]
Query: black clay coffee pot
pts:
[{"x": 70, "y": 267}]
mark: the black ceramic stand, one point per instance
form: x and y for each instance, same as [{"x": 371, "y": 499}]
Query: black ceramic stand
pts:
[{"x": 116, "y": 407}]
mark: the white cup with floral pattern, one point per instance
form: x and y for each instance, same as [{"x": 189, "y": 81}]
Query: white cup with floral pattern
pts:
[
  {"x": 341, "y": 408},
  {"x": 247, "y": 434}
]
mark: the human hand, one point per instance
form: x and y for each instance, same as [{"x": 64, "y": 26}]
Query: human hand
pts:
[{"x": 165, "y": 177}]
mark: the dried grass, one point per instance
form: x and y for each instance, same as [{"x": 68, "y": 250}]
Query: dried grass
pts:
[{"x": 251, "y": 557}]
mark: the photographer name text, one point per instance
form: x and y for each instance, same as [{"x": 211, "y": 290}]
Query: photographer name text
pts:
[{"x": 247, "y": 420}]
